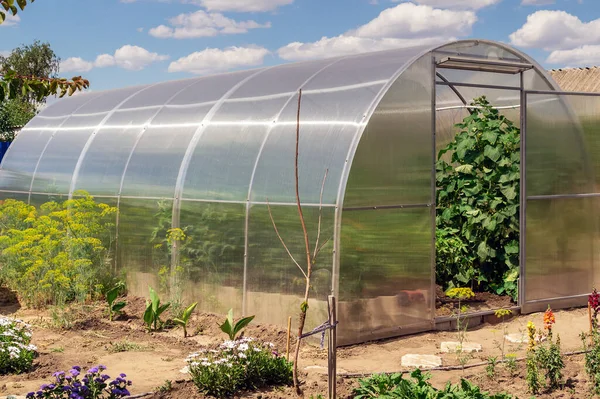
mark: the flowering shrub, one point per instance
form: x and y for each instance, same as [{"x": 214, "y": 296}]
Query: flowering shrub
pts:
[
  {"x": 93, "y": 385},
  {"x": 235, "y": 365},
  {"x": 16, "y": 352}
]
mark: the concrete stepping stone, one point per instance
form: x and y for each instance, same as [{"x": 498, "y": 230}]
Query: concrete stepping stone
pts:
[
  {"x": 421, "y": 361},
  {"x": 453, "y": 347},
  {"x": 521, "y": 338}
]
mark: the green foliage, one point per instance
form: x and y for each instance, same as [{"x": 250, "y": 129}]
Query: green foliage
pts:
[
  {"x": 592, "y": 359},
  {"x": 532, "y": 377},
  {"x": 550, "y": 360},
  {"x": 16, "y": 351},
  {"x": 185, "y": 317},
  {"x": 12, "y": 7},
  {"x": 153, "y": 311},
  {"x": 114, "y": 308},
  {"x": 490, "y": 368},
  {"x": 237, "y": 365},
  {"x": 395, "y": 386},
  {"x": 13, "y": 114},
  {"x": 59, "y": 253},
  {"x": 232, "y": 328},
  {"x": 478, "y": 204},
  {"x": 511, "y": 363}
]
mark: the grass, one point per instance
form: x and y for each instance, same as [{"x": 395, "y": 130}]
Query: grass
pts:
[{"x": 127, "y": 346}]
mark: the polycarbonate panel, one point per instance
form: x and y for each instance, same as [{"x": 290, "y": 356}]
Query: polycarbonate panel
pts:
[
  {"x": 221, "y": 166},
  {"x": 170, "y": 115},
  {"x": 562, "y": 237},
  {"x": 130, "y": 117},
  {"x": 393, "y": 162},
  {"x": 385, "y": 276},
  {"x": 142, "y": 249},
  {"x": 212, "y": 256},
  {"x": 155, "y": 162},
  {"x": 157, "y": 94},
  {"x": 275, "y": 285},
  {"x": 19, "y": 162},
  {"x": 46, "y": 122},
  {"x": 449, "y": 111},
  {"x": 323, "y": 148},
  {"x": 4, "y": 195},
  {"x": 482, "y": 48},
  {"x": 487, "y": 78},
  {"x": 67, "y": 105},
  {"x": 83, "y": 122},
  {"x": 557, "y": 154},
  {"x": 104, "y": 163},
  {"x": 210, "y": 88},
  {"x": 109, "y": 100},
  {"x": 58, "y": 161}
]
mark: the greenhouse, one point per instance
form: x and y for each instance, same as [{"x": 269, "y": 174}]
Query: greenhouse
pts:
[{"x": 214, "y": 156}]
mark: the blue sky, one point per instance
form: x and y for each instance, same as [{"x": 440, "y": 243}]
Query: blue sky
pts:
[{"x": 115, "y": 43}]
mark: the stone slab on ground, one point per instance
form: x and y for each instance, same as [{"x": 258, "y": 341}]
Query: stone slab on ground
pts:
[
  {"x": 521, "y": 338},
  {"x": 421, "y": 361},
  {"x": 453, "y": 347}
]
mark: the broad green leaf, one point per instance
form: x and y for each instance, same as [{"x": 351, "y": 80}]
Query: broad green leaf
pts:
[
  {"x": 492, "y": 153},
  {"x": 188, "y": 312},
  {"x": 112, "y": 295},
  {"x": 118, "y": 306},
  {"x": 489, "y": 136},
  {"x": 509, "y": 192},
  {"x": 483, "y": 250},
  {"x": 464, "y": 168},
  {"x": 241, "y": 324}
]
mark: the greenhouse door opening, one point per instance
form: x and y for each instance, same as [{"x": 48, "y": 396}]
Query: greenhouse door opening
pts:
[{"x": 477, "y": 155}]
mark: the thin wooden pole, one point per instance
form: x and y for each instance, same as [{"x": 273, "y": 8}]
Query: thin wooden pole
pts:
[
  {"x": 287, "y": 348},
  {"x": 332, "y": 348}
]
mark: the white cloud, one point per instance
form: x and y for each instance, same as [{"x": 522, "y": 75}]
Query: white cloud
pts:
[
  {"x": 75, "y": 64},
  {"x": 218, "y": 60},
  {"x": 10, "y": 20},
  {"x": 404, "y": 25},
  {"x": 140, "y": 30},
  {"x": 582, "y": 56},
  {"x": 537, "y": 2},
  {"x": 459, "y": 4},
  {"x": 240, "y": 5},
  {"x": 411, "y": 20},
  {"x": 133, "y": 58},
  {"x": 556, "y": 30},
  {"x": 104, "y": 60},
  {"x": 344, "y": 45},
  {"x": 202, "y": 24}
]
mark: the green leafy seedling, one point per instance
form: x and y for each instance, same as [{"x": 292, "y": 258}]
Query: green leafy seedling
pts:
[
  {"x": 232, "y": 329},
  {"x": 114, "y": 308},
  {"x": 185, "y": 317},
  {"x": 153, "y": 311}
]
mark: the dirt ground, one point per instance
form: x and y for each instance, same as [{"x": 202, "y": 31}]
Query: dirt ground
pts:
[{"x": 152, "y": 359}]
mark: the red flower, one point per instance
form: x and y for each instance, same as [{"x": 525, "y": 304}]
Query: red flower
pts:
[{"x": 549, "y": 319}]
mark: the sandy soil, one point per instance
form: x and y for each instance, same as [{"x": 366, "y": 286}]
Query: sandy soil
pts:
[{"x": 152, "y": 359}]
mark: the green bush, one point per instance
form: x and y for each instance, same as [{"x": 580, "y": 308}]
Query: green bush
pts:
[
  {"x": 16, "y": 351},
  {"x": 58, "y": 253},
  {"x": 236, "y": 365},
  {"x": 478, "y": 204},
  {"x": 395, "y": 386}
]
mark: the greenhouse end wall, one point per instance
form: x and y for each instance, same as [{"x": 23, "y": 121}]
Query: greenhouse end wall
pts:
[{"x": 214, "y": 157}]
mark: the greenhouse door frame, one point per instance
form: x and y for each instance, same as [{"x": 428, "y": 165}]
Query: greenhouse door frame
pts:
[
  {"x": 494, "y": 67},
  {"x": 558, "y": 302}
]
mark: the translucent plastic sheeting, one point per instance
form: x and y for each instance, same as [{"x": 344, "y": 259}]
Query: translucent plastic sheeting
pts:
[
  {"x": 385, "y": 277},
  {"x": 563, "y": 196},
  {"x": 393, "y": 161},
  {"x": 562, "y": 241},
  {"x": 275, "y": 286},
  {"x": 142, "y": 247},
  {"x": 211, "y": 256},
  {"x": 21, "y": 159},
  {"x": 557, "y": 154}
]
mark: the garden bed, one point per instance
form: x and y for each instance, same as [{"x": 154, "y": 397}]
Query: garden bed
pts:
[
  {"x": 445, "y": 306},
  {"x": 153, "y": 361}
]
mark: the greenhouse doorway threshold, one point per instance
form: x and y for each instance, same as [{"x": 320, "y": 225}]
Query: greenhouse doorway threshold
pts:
[{"x": 458, "y": 80}]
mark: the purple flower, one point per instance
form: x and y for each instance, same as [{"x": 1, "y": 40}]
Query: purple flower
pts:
[
  {"x": 76, "y": 368},
  {"x": 93, "y": 370},
  {"x": 122, "y": 375},
  {"x": 30, "y": 395},
  {"x": 101, "y": 367},
  {"x": 74, "y": 372}
]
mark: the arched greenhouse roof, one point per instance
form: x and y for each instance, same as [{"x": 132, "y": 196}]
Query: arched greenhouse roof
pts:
[{"x": 210, "y": 153}]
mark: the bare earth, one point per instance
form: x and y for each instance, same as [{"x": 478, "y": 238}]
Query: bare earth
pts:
[{"x": 153, "y": 358}]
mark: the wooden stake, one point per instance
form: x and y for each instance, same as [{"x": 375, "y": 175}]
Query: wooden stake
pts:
[
  {"x": 287, "y": 348},
  {"x": 332, "y": 348}
]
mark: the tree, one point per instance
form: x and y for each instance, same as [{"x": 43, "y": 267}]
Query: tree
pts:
[{"x": 14, "y": 84}]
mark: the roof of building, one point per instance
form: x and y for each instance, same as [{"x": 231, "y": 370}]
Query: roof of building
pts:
[{"x": 578, "y": 79}]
